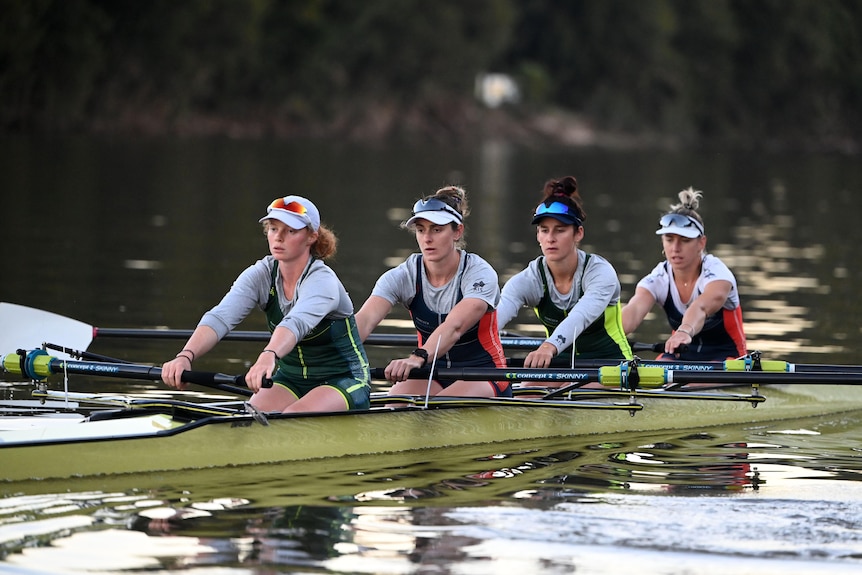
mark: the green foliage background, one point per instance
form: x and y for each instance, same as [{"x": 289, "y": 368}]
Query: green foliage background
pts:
[{"x": 702, "y": 71}]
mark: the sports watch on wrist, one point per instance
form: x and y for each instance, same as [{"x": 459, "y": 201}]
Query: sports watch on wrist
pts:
[{"x": 419, "y": 352}]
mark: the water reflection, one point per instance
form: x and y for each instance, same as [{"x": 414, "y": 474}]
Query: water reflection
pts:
[
  {"x": 395, "y": 513},
  {"x": 773, "y": 271},
  {"x": 692, "y": 464}
]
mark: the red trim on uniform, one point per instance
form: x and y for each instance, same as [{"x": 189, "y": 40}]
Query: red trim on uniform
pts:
[
  {"x": 733, "y": 325},
  {"x": 489, "y": 337}
]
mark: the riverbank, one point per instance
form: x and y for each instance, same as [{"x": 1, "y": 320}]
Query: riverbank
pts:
[{"x": 446, "y": 122}]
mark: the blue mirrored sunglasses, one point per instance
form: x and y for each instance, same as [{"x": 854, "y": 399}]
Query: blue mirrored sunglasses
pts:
[
  {"x": 435, "y": 205},
  {"x": 557, "y": 208},
  {"x": 681, "y": 221}
]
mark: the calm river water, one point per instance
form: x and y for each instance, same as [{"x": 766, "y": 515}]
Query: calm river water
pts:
[{"x": 145, "y": 233}]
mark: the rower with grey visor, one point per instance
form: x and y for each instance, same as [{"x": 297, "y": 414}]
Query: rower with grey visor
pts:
[{"x": 696, "y": 290}]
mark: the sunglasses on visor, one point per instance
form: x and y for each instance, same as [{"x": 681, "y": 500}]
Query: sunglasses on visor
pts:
[
  {"x": 557, "y": 208},
  {"x": 435, "y": 205},
  {"x": 292, "y": 207},
  {"x": 680, "y": 221}
]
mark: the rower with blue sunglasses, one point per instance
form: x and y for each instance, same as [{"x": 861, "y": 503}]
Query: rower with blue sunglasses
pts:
[
  {"x": 575, "y": 294},
  {"x": 451, "y": 296},
  {"x": 696, "y": 290}
]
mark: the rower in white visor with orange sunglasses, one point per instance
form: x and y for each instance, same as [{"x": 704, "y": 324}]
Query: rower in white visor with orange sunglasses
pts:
[{"x": 314, "y": 360}]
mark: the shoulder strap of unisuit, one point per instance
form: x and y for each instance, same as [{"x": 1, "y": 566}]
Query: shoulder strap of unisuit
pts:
[
  {"x": 303, "y": 276},
  {"x": 541, "y": 265},
  {"x": 581, "y": 283}
]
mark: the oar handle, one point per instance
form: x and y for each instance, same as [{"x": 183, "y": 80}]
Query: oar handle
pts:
[
  {"x": 208, "y": 378},
  {"x": 37, "y": 364},
  {"x": 211, "y": 379},
  {"x": 657, "y": 347},
  {"x": 653, "y": 347}
]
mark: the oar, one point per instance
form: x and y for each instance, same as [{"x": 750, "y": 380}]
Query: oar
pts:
[
  {"x": 88, "y": 355},
  {"x": 624, "y": 376},
  {"x": 37, "y": 364},
  {"x": 28, "y": 328},
  {"x": 734, "y": 365},
  {"x": 509, "y": 342},
  {"x": 381, "y": 339}
]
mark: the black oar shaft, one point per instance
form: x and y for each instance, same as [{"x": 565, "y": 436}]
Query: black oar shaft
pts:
[
  {"x": 647, "y": 376},
  {"x": 561, "y": 363},
  {"x": 764, "y": 377},
  {"x": 513, "y": 343},
  {"x": 825, "y": 367},
  {"x": 696, "y": 366},
  {"x": 382, "y": 339},
  {"x": 499, "y": 374},
  {"x": 230, "y": 383},
  {"x": 144, "y": 333}
]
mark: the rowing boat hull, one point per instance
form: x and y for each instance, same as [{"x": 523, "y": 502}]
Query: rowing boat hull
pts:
[{"x": 160, "y": 442}]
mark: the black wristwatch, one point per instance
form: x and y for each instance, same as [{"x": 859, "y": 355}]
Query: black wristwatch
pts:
[{"x": 419, "y": 352}]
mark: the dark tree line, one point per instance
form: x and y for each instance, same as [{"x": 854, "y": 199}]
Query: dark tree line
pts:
[{"x": 736, "y": 71}]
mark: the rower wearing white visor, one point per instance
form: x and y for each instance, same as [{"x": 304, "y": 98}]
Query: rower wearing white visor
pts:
[
  {"x": 452, "y": 297},
  {"x": 696, "y": 290},
  {"x": 314, "y": 357}
]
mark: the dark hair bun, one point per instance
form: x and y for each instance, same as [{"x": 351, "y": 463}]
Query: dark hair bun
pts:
[{"x": 567, "y": 186}]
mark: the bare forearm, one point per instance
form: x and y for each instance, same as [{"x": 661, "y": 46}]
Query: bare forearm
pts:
[{"x": 202, "y": 340}]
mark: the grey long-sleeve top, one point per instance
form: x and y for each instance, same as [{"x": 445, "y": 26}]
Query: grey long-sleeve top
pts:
[
  {"x": 319, "y": 295},
  {"x": 599, "y": 282}
]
